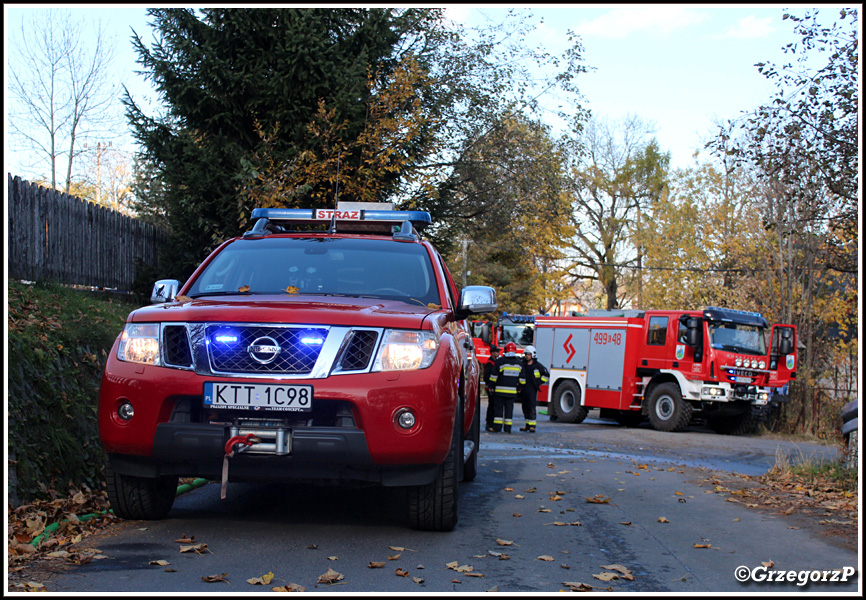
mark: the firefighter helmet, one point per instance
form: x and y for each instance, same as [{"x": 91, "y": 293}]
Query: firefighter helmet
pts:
[
  {"x": 529, "y": 350},
  {"x": 510, "y": 347}
]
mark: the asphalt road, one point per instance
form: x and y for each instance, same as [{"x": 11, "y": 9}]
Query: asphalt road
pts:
[{"x": 526, "y": 525}]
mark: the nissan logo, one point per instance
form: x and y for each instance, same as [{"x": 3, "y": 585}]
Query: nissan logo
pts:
[{"x": 264, "y": 350}]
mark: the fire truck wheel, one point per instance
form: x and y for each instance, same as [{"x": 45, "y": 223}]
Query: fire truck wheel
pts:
[
  {"x": 567, "y": 404},
  {"x": 433, "y": 507},
  {"x": 667, "y": 409},
  {"x": 139, "y": 498}
]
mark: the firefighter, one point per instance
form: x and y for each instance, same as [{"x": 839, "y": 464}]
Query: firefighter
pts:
[
  {"x": 488, "y": 371},
  {"x": 506, "y": 372},
  {"x": 532, "y": 376}
]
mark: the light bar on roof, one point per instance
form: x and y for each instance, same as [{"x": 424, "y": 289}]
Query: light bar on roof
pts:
[{"x": 418, "y": 218}]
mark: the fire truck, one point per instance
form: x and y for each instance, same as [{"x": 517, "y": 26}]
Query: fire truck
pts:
[
  {"x": 519, "y": 329},
  {"x": 667, "y": 366}
]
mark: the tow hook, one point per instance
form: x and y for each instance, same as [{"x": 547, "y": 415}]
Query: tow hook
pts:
[{"x": 244, "y": 441}]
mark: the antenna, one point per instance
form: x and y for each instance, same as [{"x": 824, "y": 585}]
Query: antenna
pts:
[{"x": 332, "y": 228}]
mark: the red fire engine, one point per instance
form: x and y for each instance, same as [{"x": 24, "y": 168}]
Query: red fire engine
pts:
[
  {"x": 721, "y": 364},
  {"x": 519, "y": 329}
]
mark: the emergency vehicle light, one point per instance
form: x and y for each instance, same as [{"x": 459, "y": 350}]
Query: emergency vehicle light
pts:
[{"x": 418, "y": 218}]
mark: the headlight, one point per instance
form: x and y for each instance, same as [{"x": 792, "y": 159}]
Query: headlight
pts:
[
  {"x": 762, "y": 365},
  {"x": 754, "y": 364},
  {"x": 739, "y": 362},
  {"x": 403, "y": 350},
  {"x": 139, "y": 343}
]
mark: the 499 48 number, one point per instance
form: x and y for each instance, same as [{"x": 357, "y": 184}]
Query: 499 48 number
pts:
[{"x": 258, "y": 396}]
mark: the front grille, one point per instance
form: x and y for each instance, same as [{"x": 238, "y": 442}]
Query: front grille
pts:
[
  {"x": 176, "y": 350},
  {"x": 358, "y": 351},
  {"x": 298, "y": 349}
]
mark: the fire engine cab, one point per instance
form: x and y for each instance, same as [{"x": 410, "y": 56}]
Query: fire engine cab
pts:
[
  {"x": 322, "y": 345},
  {"x": 667, "y": 366},
  {"x": 519, "y": 329}
]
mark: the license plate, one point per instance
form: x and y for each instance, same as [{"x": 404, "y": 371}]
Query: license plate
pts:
[
  {"x": 258, "y": 396},
  {"x": 743, "y": 379}
]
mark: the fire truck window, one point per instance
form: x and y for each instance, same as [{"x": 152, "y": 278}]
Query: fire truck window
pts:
[{"x": 658, "y": 331}]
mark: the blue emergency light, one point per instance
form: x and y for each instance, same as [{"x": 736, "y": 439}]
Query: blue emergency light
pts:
[{"x": 352, "y": 217}]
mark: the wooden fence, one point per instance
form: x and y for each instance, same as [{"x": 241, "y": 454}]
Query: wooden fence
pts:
[{"x": 57, "y": 237}]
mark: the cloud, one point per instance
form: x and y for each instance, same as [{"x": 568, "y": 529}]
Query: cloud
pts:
[
  {"x": 749, "y": 28},
  {"x": 661, "y": 20}
]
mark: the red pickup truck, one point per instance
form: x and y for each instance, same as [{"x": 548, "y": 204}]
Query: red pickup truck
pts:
[{"x": 301, "y": 353}]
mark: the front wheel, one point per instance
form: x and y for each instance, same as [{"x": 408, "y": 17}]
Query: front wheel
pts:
[
  {"x": 433, "y": 507},
  {"x": 139, "y": 498},
  {"x": 566, "y": 400},
  {"x": 667, "y": 409}
]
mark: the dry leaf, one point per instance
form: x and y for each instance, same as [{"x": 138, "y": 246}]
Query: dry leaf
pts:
[
  {"x": 401, "y": 549},
  {"x": 182, "y": 299},
  {"x": 508, "y": 489},
  {"x": 401, "y": 573},
  {"x": 244, "y": 288},
  {"x": 770, "y": 564},
  {"x": 263, "y": 580},
  {"x": 215, "y": 578},
  {"x": 544, "y": 510},
  {"x": 292, "y": 587},
  {"x": 606, "y": 576},
  {"x": 186, "y": 539},
  {"x": 197, "y": 548},
  {"x": 504, "y": 542},
  {"x": 418, "y": 580},
  {"x": 395, "y": 556},
  {"x": 624, "y": 571},
  {"x": 332, "y": 558},
  {"x": 375, "y": 565},
  {"x": 662, "y": 520},
  {"x": 545, "y": 557},
  {"x": 519, "y": 496},
  {"x": 516, "y": 514},
  {"x": 598, "y": 499},
  {"x": 475, "y": 574},
  {"x": 625, "y": 522},
  {"x": 702, "y": 545},
  {"x": 159, "y": 563},
  {"x": 576, "y": 586},
  {"x": 289, "y": 290},
  {"x": 330, "y": 577}
]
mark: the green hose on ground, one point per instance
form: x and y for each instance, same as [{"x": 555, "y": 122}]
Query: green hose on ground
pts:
[{"x": 181, "y": 489}]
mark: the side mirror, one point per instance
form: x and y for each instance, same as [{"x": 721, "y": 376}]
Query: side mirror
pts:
[
  {"x": 486, "y": 334},
  {"x": 164, "y": 290},
  {"x": 476, "y": 300},
  {"x": 693, "y": 332},
  {"x": 786, "y": 343}
]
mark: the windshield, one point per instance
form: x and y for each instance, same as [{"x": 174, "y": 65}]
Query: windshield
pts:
[
  {"x": 738, "y": 338},
  {"x": 343, "y": 267},
  {"x": 519, "y": 334}
]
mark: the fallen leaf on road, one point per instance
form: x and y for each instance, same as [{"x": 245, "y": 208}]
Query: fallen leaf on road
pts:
[
  {"x": 375, "y": 565},
  {"x": 197, "y": 548},
  {"x": 545, "y": 557},
  {"x": 418, "y": 580},
  {"x": 662, "y": 520},
  {"x": 395, "y": 556},
  {"x": 605, "y": 576},
  {"x": 330, "y": 577},
  {"x": 597, "y": 499},
  {"x": 504, "y": 542},
  {"x": 624, "y": 571},
  {"x": 292, "y": 587},
  {"x": 770, "y": 564},
  {"x": 703, "y": 545},
  {"x": 186, "y": 539},
  {"x": 576, "y": 586},
  {"x": 215, "y": 578},
  {"x": 159, "y": 563},
  {"x": 401, "y": 573},
  {"x": 263, "y": 580}
]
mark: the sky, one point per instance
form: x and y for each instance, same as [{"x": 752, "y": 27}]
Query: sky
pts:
[{"x": 681, "y": 68}]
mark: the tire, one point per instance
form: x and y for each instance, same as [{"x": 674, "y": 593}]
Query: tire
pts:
[
  {"x": 433, "y": 507},
  {"x": 470, "y": 467},
  {"x": 566, "y": 400},
  {"x": 741, "y": 424},
  {"x": 667, "y": 409},
  {"x": 629, "y": 418},
  {"x": 139, "y": 498}
]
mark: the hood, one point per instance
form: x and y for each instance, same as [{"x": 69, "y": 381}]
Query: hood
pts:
[{"x": 308, "y": 310}]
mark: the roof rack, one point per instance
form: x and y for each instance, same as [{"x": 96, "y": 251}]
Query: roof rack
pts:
[{"x": 352, "y": 217}]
